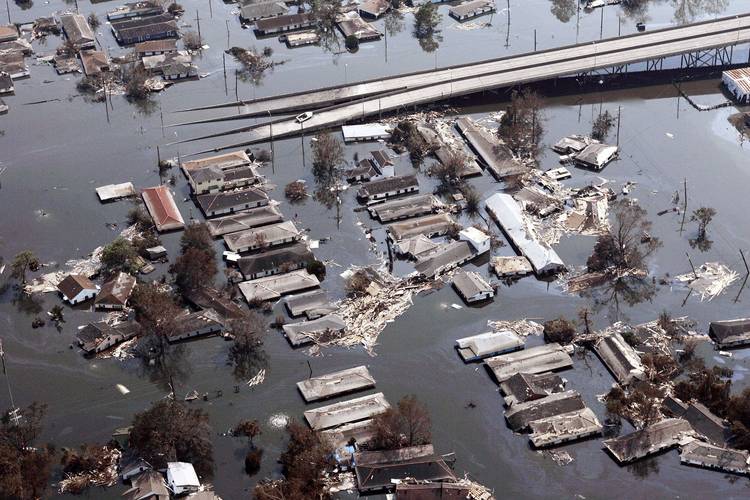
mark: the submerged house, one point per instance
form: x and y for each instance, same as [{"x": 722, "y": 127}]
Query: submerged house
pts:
[
  {"x": 94, "y": 62},
  {"x": 374, "y": 8},
  {"x": 523, "y": 387},
  {"x": 304, "y": 332},
  {"x": 232, "y": 159},
  {"x": 171, "y": 65},
  {"x": 336, "y": 384},
  {"x": 273, "y": 287},
  {"x": 620, "y": 358},
  {"x": 596, "y": 156},
  {"x": 346, "y": 412},
  {"x": 275, "y": 261},
  {"x": 116, "y": 292},
  {"x": 228, "y": 202},
  {"x": 730, "y": 333},
  {"x": 520, "y": 415},
  {"x": 135, "y": 9},
  {"x": 708, "y": 456},
  {"x": 96, "y": 337},
  {"x": 149, "y": 485},
  {"x": 282, "y": 24},
  {"x": 205, "y": 322},
  {"x": 444, "y": 258},
  {"x": 132, "y": 31},
  {"x": 181, "y": 478},
  {"x": 77, "y": 31},
  {"x": 263, "y": 237},
  {"x": 429, "y": 226},
  {"x": 246, "y": 219},
  {"x": 380, "y": 471},
  {"x": 506, "y": 212},
  {"x": 76, "y": 288},
  {"x": 485, "y": 345},
  {"x": 388, "y": 188},
  {"x": 563, "y": 428},
  {"x": 471, "y": 9},
  {"x": 155, "y": 47},
  {"x": 404, "y": 208},
  {"x": 737, "y": 82},
  {"x": 214, "y": 178},
  {"x": 163, "y": 209},
  {"x": 539, "y": 359},
  {"x": 472, "y": 287},
  {"x": 649, "y": 440},
  {"x": 354, "y": 26},
  {"x": 251, "y": 12}
]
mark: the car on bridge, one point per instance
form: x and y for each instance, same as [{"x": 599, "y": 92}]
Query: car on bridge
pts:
[{"x": 304, "y": 116}]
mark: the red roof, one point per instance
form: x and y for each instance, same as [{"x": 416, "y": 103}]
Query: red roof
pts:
[{"x": 162, "y": 208}]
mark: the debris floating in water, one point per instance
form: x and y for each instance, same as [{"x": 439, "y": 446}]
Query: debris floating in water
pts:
[
  {"x": 123, "y": 390},
  {"x": 257, "y": 379},
  {"x": 278, "y": 420},
  {"x": 709, "y": 280}
]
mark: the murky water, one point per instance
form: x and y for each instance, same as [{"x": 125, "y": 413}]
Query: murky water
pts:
[{"x": 57, "y": 152}]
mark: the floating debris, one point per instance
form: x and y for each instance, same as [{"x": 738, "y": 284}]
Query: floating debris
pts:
[
  {"x": 123, "y": 390},
  {"x": 278, "y": 420},
  {"x": 708, "y": 280},
  {"x": 258, "y": 379},
  {"x": 559, "y": 456},
  {"x": 522, "y": 327}
]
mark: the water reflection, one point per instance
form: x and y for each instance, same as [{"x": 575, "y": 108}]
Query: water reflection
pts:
[
  {"x": 644, "y": 468},
  {"x": 563, "y": 10},
  {"x": 685, "y": 11},
  {"x": 164, "y": 364},
  {"x": 626, "y": 290}
]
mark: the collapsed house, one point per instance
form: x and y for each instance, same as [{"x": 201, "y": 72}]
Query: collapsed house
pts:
[
  {"x": 539, "y": 359},
  {"x": 511, "y": 267},
  {"x": 485, "y": 345},
  {"x": 336, "y": 384},
  {"x": 506, "y": 212},
  {"x": 700, "y": 418},
  {"x": 346, "y": 412},
  {"x": 620, "y": 358},
  {"x": 660, "y": 436},
  {"x": 708, "y": 456},
  {"x": 210, "y": 298}
]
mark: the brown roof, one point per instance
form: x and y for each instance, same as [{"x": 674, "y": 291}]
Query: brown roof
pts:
[
  {"x": 94, "y": 62},
  {"x": 156, "y": 46},
  {"x": 162, "y": 208},
  {"x": 73, "y": 284},
  {"x": 116, "y": 291},
  {"x": 8, "y": 32}
]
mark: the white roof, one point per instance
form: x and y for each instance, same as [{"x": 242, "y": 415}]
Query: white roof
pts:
[
  {"x": 353, "y": 132},
  {"x": 181, "y": 474},
  {"x": 473, "y": 234},
  {"x": 111, "y": 191},
  {"x": 506, "y": 211}
]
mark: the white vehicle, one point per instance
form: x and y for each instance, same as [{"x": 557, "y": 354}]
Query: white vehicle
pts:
[{"x": 304, "y": 116}]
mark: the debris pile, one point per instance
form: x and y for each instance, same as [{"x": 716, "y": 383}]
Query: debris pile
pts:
[
  {"x": 708, "y": 280},
  {"x": 103, "y": 473},
  {"x": 521, "y": 327}
]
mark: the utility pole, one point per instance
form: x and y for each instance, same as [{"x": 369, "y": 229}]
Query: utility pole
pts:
[
  {"x": 198, "y": 21},
  {"x": 684, "y": 208},
  {"x": 7, "y": 7},
  {"x": 618, "y": 125},
  {"x": 161, "y": 116},
  {"x": 210, "y": 9},
  {"x": 507, "y": 30},
  {"x": 227, "y": 23},
  {"x": 13, "y": 414},
  {"x": 534, "y": 39},
  {"x": 601, "y": 25},
  {"x": 273, "y": 154},
  {"x": 224, "y": 65}
]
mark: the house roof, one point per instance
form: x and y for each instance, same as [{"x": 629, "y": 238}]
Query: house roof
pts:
[
  {"x": 469, "y": 284},
  {"x": 565, "y": 426},
  {"x": 147, "y": 485},
  {"x": 90, "y": 335},
  {"x": 302, "y": 302},
  {"x": 470, "y": 7},
  {"x": 336, "y": 383},
  {"x": 301, "y": 333},
  {"x": 77, "y": 29},
  {"x": 226, "y": 200},
  {"x": 656, "y": 437},
  {"x": 740, "y": 77},
  {"x": 262, "y": 10},
  {"x": 620, "y": 358},
  {"x": 432, "y": 491},
  {"x": 487, "y": 344},
  {"x": 401, "y": 208},
  {"x": 116, "y": 291},
  {"x": 374, "y": 8},
  {"x": 388, "y": 184},
  {"x": 379, "y": 470},
  {"x": 246, "y": 219},
  {"x": 443, "y": 258},
  {"x": 730, "y": 331},
  {"x": 273, "y": 287},
  {"x": 417, "y": 247},
  {"x": 226, "y": 160},
  {"x": 94, "y": 61},
  {"x": 428, "y": 225},
  {"x": 523, "y": 387},
  {"x": 209, "y": 298},
  {"x": 168, "y": 45},
  {"x": 358, "y": 27},
  {"x": 8, "y": 32},
  {"x": 596, "y": 155},
  {"x": 539, "y": 359},
  {"x": 284, "y": 21},
  {"x": 344, "y": 412},
  {"x": 715, "y": 457},
  {"x": 196, "y": 321},
  {"x": 182, "y": 474},
  {"x": 73, "y": 284},
  {"x": 163, "y": 209},
  {"x": 268, "y": 235},
  {"x": 149, "y": 30},
  {"x": 507, "y": 213},
  {"x": 704, "y": 422},
  {"x": 521, "y": 414}
]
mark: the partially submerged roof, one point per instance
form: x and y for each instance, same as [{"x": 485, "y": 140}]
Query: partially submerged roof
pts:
[
  {"x": 495, "y": 155},
  {"x": 714, "y": 457},
  {"x": 226, "y": 160},
  {"x": 446, "y": 257},
  {"x": 432, "y": 491},
  {"x": 366, "y": 130},
  {"x": 90, "y": 336},
  {"x": 540, "y": 359},
  {"x": 162, "y": 208},
  {"x": 487, "y": 344},
  {"x": 335, "y": 384},
  {"x": 707, "y": 424},
  {"x": 270, "y": 235},
  {"x": 597, "y": 156},
  {"x": 472, "y": 7},
  {"x": 275, "y": 259},
  {"x": 470, "y": 284},
  {"x": 345, "y": 412},
  {"x": 641, "y": 443},
  {"x": 620, "y": 358},
  {"x": 114, "y": 191},
  {"x": 8, "y": 32},
  {"x": 167, "y": 45},
  {"x": 94, "y": 62},
  {"x": 285, "y": 21},
  {"x": 511, "y": 266},
  {"x": 210, "y": 298},
  {"x": 564, "y": 427},
  {"x": 273, "y": 287},
  {"x": 381, "y": 470},
  {"x": 73, "y": 284},
  {"x": 300, "y": 303},
  {"x": 261, "y": 10},
  {"x": 362, "y": 432},
  {"x": 246, "y": 219},
  {"x": 388, "y": 185},
  {"x": 227, "y": 200},
  {"x": 418, "y": 247},
  {"x": 77, "y": 30},
  {"x": 116, "y": 291},
  {"x": 353, "y": 25},
  {"x": 193, "y": 322},
  {"x": 182, "y": 474},
  {"x": 403, "y": 208},
  {"x": 305, "y": 331},
  {"x": 523, "y": 387},
  {"x": 429, "y": 225},
  {"x": 520, "y": 415},
  {"x": 731, "y": 332},
  {"x": 507, "y": 213},
  {"x": 147, "y": 485}
]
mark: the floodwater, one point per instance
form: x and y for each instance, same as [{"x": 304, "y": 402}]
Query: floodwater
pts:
[{"x": 57, "y": 152}]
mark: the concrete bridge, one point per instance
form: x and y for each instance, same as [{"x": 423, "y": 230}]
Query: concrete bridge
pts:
[{"x": 708, "y": 43}]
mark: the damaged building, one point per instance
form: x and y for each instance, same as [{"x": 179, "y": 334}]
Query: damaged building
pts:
[
  {"x": 245, "y": 219},
  {"x": 274, "y": 287},
  {"x": 336, "y": 384},
  {"x": 523, "y": 387},
  {"x": 472, "y": 287},
  {"x": 520, "y": 415},
  {"x": 305, "y": 332},
  {"x": 563, "y": 428},
  {"x": 539, "y": 359},
  {"x": 660, "y": 436},
  {"x": 730, "y": 333},
  {"x": 97, "y": 337},
  {"x": 620, "y": 358},
  {"x": 380, "y": 471},
  {"x": 485, "y": 345},
  {"x": 346, "y": 412},
  {"x": 263, "y": 237},
  {"x": 275, "y": 261}
]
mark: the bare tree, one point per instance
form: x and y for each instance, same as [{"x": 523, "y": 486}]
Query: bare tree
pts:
[
  {"x": 406, "y": 425},
  {"x": 522, "y": 125}
]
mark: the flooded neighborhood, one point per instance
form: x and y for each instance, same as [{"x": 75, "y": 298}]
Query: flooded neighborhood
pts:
[{"x": 402, "y": 249}]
